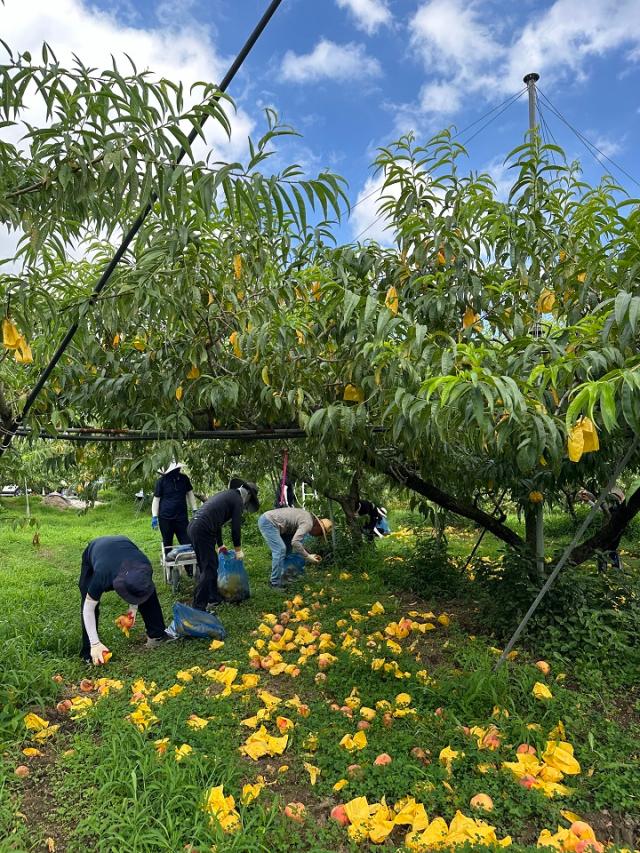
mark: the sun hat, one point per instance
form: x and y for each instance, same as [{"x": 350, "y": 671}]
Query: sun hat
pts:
[
  {"x": 253, "y": 504},
  {"x": 325, "y": 524},
  {"x": 133, "y": 582},
  {"x": 172, "y": 466}
]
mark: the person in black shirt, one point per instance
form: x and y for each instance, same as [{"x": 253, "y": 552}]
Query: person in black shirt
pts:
[
  {"x": 373, "y": 515},
  {"x": 205, "y": 533},
  {"x": 169, "y": 507},
  {"x": 610, "y": 508},
  {"x": 116, "y": 563}
]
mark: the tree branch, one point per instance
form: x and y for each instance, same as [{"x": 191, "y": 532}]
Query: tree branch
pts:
[{"x": 410, "y": 480}]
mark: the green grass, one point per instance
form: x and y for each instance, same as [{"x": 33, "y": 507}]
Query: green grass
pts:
[{"x": 101, "y": 786}]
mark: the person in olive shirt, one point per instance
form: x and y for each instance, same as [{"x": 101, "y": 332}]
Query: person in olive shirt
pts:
[
  {"x": 205, "y": 533},
  {"x": 169, "y": 507},
  {"x": 284, "y": 531},
  {"x": 116, "y": 563}
]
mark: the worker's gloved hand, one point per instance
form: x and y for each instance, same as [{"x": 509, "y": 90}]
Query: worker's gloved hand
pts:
[
  {"x": 315, "y": 558},
  {"x": 239, "y": 554},
  {"x": 98, "y": 651},
  {"x": 154, "y": 522}
]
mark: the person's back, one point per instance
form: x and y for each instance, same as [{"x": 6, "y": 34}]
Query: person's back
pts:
[
  {"x": 107, "y": 553},
  {"x": 219, "y": 508}
]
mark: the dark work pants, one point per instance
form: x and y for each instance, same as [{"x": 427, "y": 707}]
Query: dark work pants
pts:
[
  {"x": 150, "y": 611},
  {"x": 170, "y": 527},
  {"x": 204, "y": 542}
]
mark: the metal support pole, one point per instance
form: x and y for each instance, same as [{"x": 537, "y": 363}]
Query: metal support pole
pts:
[
  {"x": 530, "y": 80},
  {"x": 540, "y": 541},
  {"x": 567, "y": 553}
]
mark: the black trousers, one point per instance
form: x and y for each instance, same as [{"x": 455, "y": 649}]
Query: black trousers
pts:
[
  {"x": 204, "y": 542},
  {"x": 151, "y": 611},
  {"x": 170, "y": 527}
]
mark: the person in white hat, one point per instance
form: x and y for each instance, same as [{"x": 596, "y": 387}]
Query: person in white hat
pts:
[
  {"x": 172, "y": 494},
  {"x": 374, "y": 515}
]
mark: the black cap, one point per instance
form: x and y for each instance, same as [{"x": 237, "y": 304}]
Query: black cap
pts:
[
  {"x": 134, "y": 583},
  {"x": 253, "y": 504}
]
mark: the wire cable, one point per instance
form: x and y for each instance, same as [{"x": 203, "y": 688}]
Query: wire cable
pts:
[
  {"x": 590, "y": 146},
  {"x": 491, "y": 120}
]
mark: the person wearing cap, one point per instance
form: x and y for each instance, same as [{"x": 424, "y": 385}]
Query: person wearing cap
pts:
[
  {"x": 169, "y": 506},
  {"x": 116, "y": 563},
  {"x": 284, "y": 531},
  {"x": 374, "y": 516},
  {"x": 205, "y": 534},
  {"x": 610, "y": 508}
]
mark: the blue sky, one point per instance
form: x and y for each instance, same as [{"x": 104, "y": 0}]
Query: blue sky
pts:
[{"x": 353, "y": 74}]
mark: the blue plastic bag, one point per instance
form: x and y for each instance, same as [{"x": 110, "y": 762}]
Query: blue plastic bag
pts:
[
  {"x": 189, "y": 622},
  {"x": 233, "y": 580},
  {"x": 383, "y": 527},
  {"x": 293, "y": 565}
]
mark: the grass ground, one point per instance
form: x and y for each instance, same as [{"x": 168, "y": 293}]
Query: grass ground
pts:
[{"x": 101, "y": 783}]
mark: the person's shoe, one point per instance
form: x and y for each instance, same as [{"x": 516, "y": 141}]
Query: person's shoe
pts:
[
  {"x": 153, "y": 642},
  {"x": 279, "y": 585}
]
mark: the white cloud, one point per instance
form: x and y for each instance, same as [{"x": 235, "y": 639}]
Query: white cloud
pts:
[
  {"x": 440, "y": 97},
  {"x": 470, "y": 50},
  {"x": 330, "y": 61},
  {"x": 182, "y": 52},
  {"x": 369, "y": 15},
  {"x": 365, "y": 220},
  {"x": 450, "y": 35}
]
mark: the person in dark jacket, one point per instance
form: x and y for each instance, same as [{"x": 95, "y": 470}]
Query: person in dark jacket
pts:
[
  {"x": 373, "y": 514},
  {"x": 169, "y": 507},
  {"x": 610, "y": 508},
  {"x": 116, "y": 563},
  {"x": 205, "y": 533}
]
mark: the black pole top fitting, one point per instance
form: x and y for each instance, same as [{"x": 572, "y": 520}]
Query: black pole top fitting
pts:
[{"x": 531, "y": 78}]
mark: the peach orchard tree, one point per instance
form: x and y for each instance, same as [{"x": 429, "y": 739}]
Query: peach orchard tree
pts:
[{"x": 492, "y": 351}]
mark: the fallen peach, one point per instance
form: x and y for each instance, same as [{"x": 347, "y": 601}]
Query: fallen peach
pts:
[
  {"x": 295, "y": 811},
  {"x": 64, "y": 707},
  {"x": 362, "y": 725},
  {"x": 58, "y": 679},
  {"x": 86, "y": 685},
  {"x": 354, "y": 770},
  {"x": 339, "y": 814},
  {"x": 383, "y": 759},
  {"x": 481, "y": 801},
  {"x": 439, "y": 712},
  {"x": 22, "y": 771},
  {"x": 543, "y": 666},
  {"x": 387, "y": 720},
  {"x": 526, "y": 749},
  {"x": 527, "y": 781}
]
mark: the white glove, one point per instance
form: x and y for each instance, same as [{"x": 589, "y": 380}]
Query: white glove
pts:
[
  {"x": 239, "y": 554},
  {"x": 315, "y": 558},
  {"x": 97, "y": 653}
]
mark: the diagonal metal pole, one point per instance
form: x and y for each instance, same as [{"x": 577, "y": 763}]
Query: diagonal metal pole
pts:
[
  {"x": 133, "y": 230},
  {"x": 482, "y": 534},
  {"x": 567, "y": 553}
]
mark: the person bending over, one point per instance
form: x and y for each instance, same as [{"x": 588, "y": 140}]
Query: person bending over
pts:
[
  {"x": 284, "y": 530},
  {"x": 205, "y": 533},
  {"x": 116, "y": 563}
]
